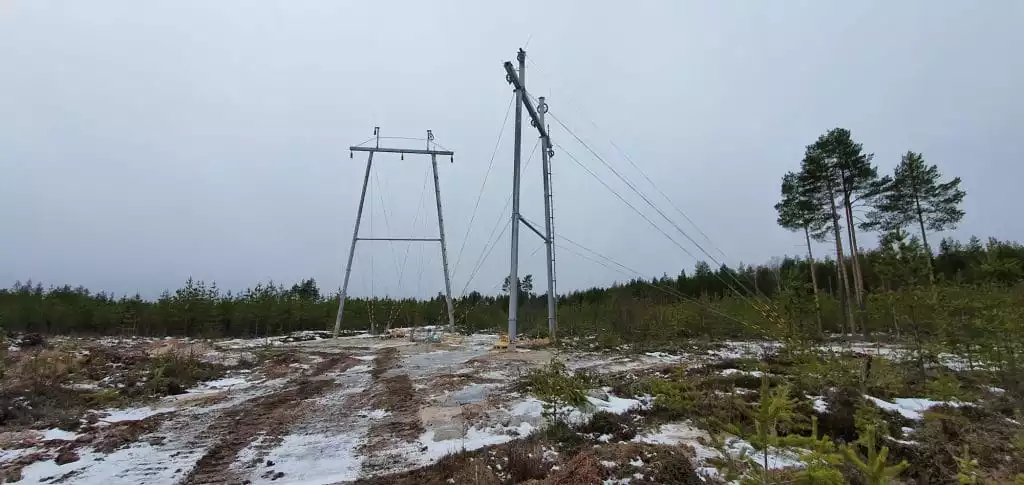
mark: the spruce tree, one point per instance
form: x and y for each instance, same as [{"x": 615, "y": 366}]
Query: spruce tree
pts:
[{"x": 916, "y": 194}]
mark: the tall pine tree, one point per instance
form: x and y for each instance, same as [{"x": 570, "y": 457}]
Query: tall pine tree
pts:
[
  {"x": 800, "y": 211},
  {"x": 818, "y": 176},
  {"x": 857, "y": 181},
  {"x": 916, "y": 194}
]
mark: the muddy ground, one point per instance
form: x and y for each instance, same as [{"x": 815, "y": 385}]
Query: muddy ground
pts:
[
  {"x": 363, "y": 410},
  {"x": 316, "y": 411}
]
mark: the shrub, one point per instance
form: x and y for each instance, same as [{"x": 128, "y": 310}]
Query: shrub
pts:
[
  {"x": 560, "y": 391},
  {"x": 619, "y": 426}
]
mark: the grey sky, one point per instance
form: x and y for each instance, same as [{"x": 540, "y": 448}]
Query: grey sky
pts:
[{"x": 144, "y": 142}]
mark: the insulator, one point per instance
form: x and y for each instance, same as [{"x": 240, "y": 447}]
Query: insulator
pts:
[{"x": 350, "y": 155}]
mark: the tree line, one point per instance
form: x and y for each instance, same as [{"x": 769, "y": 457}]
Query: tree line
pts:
[{"x": 200, "y": 309}]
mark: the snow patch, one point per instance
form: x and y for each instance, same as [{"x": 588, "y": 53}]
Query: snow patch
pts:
[
  {"x": 681, "y": 433},
  {"x": 58, "y": 434},
  {"x": 312, "y": 460},
  {"x": 910, "y": 407},
  {"x": 820, "y": 406},
  {"x": 131, "y": 414},
  {"x": 776, "y": 459},
  {"x": 374, "y": 414},
  {"x": 357, "y": 369},
  {"x": 121, "y": 466},
  {"x": 475, "y": 439},
  {"x": 755, "y": 373}
]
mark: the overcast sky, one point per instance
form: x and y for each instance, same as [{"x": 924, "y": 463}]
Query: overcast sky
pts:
[{"x": 145, "y": 142}]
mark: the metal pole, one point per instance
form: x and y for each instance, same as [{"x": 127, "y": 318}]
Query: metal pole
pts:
[
  {"x": 513, "y": 278},
  {"x": 352, "y": 248},
  {"x": 415, "y": 151},
  {"x": 444, "y": 248},
  {"x": 549, "y": 219}
]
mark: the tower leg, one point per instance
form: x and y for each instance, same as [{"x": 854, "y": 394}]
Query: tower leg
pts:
[
  {"x": 352, "y": 249},
  {"x": 444, "y": 247}
]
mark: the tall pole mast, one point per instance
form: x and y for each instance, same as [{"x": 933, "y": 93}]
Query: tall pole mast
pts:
[
  {"x": 513, "y": 278},
  {"x": 549, "y": 218}
]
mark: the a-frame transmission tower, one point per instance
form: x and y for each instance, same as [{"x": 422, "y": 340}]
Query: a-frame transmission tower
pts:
[
  {"x": 359, "y": 215},
  {"x": 518, "y": 81}
]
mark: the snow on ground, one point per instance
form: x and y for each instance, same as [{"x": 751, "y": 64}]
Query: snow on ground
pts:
[
  {"x": 131, "y": 414},
  {"x": 313, "y": 460},
  {"x": 374, "y": 414},
  {"x": 359, "y": 368},
  {"x": 121, "y": 466},
  {"x": 603, "y": 362},
  {"x": 531, "y": 409},
  {"x": 315, "y": 451},
  {"x": 777, "y": 458},
  {"x": 475, "y": 439},
  {"x": 681, "y": 433},
  {"x": 58, "y": 434},
  {"x": 820, "y": 406},
  {"x": 729, "y": 372},
  {"x": 226, "y": 383},
  {"x": 910, "y": 407}
]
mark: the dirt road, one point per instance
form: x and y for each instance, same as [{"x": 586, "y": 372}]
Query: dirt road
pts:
[{"x": 326, "y": 411}]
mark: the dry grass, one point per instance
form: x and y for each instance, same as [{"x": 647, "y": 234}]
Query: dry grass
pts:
[
  {"x": 52, "y": 387},
  {"x": 582, "y": 469},
  {"x": 525, "y": 461}
]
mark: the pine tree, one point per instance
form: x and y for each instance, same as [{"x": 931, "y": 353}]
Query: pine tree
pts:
[
  {"x": 857, "y": 181},
  {"x": 818, "y": 177},
  {"x": 915, "y": 194},
  {"x": 799, "y": 211}
]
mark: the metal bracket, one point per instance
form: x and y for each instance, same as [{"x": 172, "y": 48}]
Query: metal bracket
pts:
[{"x": 534, "y": 229}]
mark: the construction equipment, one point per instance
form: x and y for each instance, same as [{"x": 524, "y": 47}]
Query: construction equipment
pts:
[{"x": 502, "y": 343}]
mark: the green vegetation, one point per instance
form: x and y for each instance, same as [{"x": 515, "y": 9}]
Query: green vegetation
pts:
[
  {"x": 561, "y": 391},
  {"x": 873, "y": 468}
]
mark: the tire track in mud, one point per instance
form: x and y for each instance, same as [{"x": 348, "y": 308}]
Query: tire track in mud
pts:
[
  {"x": 389, "y": 439},
  {"x": 267, "y": 418}
]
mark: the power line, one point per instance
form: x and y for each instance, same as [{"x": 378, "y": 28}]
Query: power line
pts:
[
  {"x": 501, "y": 215},
  {"x": 629, "y": 159},
  {"x": 653, "y": 206},
  {"x": 415, "y": 219},
  {"x": 483, "y": 257},
  {"x": 479, "y": 195},
  {"x": 387, "y": 225},
  {"x": 624, "y": 201},
  {"x": 640, "y": 277}
]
